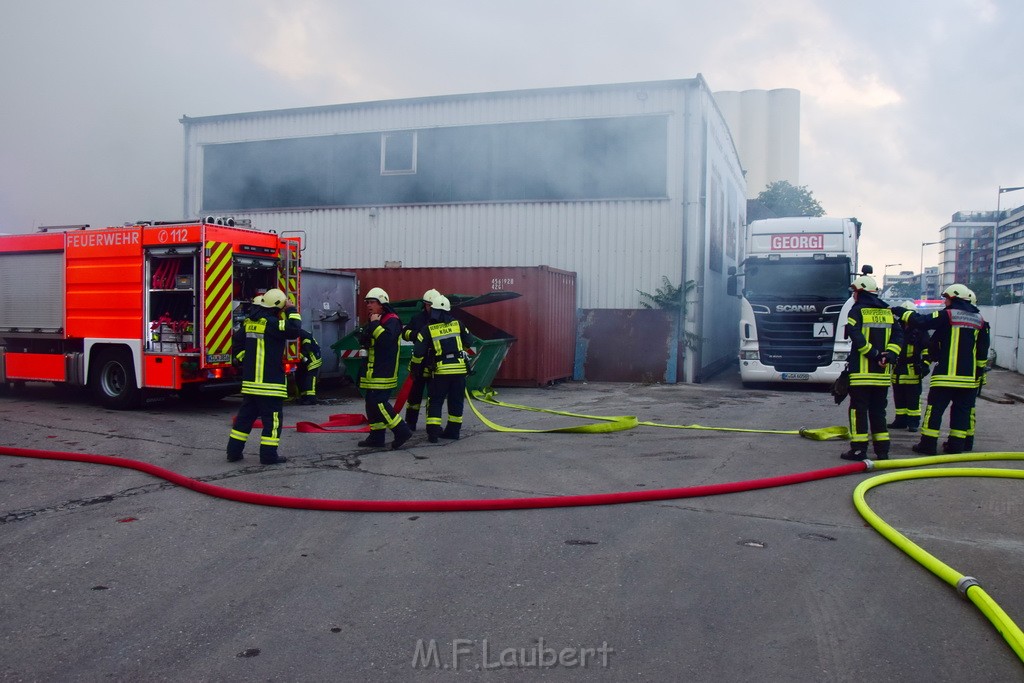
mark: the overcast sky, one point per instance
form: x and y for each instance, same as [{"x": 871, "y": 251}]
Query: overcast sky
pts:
[{"x": 910, "y": 110}]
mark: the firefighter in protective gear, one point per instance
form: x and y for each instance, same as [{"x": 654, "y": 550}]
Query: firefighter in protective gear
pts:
[
  {"x": 259, "y": 344},
  {"x": 309, "y": 368},
  {"x": 419, "y": 381},
  {"x": 877, "y": 339},
  {"x": 959, "y": 349},
  {"x": 982, "y": 380},
  {"x": 910, "y": 370},
  {"x": 440, "y": 347},
  {"x": 379, "y": 374}
]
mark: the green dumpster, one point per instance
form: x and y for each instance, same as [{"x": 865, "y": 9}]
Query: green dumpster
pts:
[{"x": 487, "y": 351}]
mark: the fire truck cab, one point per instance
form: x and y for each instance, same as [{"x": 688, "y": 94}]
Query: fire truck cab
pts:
[{"x": 137, "y": 309}]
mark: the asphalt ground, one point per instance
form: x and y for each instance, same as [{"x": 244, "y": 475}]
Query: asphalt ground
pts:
[{"x": 112, "y": 574}]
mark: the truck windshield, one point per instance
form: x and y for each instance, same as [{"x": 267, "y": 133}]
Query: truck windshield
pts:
[{"x": 798, "y": 278}]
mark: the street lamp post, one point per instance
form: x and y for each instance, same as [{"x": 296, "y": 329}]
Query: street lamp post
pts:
[
  {"x": 921, "y": 272},
  {"x": 885, "y": 274},
  {"x": 995, "y": 237}
]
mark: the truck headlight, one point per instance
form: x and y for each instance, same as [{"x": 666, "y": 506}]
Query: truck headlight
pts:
[
  {"x": 840, "y": 356},
  {"x": 749, "y": 355}
]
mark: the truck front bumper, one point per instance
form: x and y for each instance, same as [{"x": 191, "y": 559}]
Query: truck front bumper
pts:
[{"x": 756, "y": 371}]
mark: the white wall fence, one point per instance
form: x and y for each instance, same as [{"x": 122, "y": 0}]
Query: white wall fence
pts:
[{"x": 1007, "y": 333}]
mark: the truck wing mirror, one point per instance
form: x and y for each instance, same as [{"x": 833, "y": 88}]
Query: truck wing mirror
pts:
[{"x": 730, "y": 284}]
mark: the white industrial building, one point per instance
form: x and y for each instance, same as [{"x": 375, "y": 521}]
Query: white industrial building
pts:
[{"x": 623, "y": 184}]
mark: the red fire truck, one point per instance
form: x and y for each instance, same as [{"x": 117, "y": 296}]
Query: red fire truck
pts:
[{"x": 138, "y": 309}]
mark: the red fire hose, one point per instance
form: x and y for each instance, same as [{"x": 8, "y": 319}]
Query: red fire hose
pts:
[{"x": 342, "y": 505}]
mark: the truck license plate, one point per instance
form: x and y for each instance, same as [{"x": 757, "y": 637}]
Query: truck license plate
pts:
[{"x": 795, "y": 376}]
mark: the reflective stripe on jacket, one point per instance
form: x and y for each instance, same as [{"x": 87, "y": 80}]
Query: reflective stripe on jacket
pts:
[
  {"x": 380, "y": 338},
  {"x": 959, "y": 345},
  {"x": 440, "y": 346},
  {"x": 262, "y": 339},
  {"x": 873, "y": 330}
]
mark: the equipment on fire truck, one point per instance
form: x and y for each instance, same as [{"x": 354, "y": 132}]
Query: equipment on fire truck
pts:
[{"x": 137, "y": 308}]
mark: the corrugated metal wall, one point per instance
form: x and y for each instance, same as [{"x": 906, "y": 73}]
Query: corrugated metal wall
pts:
[{"x": 617, "y": 248}]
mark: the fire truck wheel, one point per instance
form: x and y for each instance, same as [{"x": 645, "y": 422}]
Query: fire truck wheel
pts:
[{"x": 113, "y": 380}]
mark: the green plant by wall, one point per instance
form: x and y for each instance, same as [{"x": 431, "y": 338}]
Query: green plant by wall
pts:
[
  {"x": 668, "y": 296},
  {"x": 671, "y": 298}
]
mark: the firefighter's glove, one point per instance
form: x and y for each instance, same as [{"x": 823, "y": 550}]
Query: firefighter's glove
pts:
[
  {"x": 897, "y": 312},
  {"x": 890, "y": 358},
  {"x": 841, "y": 387}
]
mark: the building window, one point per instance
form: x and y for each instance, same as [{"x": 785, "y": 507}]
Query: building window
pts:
[
  {"x": 398, "y": 153},
  {"x": 568, "y": 160}
]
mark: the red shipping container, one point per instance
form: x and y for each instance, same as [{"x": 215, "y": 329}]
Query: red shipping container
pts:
[{"x": 543, "y": 319}]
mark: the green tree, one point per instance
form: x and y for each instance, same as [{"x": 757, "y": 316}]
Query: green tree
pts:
[
  {"x": 785, "y": 199},
  {"x": 982, "y": 289},
  {"x": 905, "y": 290}
]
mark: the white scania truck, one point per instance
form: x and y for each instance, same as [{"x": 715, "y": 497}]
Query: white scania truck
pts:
[{"x": 793, "y": 283}]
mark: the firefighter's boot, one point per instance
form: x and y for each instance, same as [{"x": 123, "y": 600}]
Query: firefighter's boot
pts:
[
  {"x": 402, "y": 432},
  {"x": 235, "y": 448},
  {"x": 451, "y": 431},
  {"x": 928, "y": 445},
  {"x": 374, "y": 440},
  {"x": 433, "y": 431},
  {"x": 411, "y": 416},
  {"x": 899, "y": 423},
  {"x": 881, "y": 450},
  {"x": 954, "y": 445},
  {"x": 969, "y": 443},
  {"x": 913, "y": 424},
  {"x": 858, "y": 451},
  {"x": 269, "y": 456}
]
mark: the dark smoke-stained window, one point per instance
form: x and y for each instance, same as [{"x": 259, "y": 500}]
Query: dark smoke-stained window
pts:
[{"x": 607, "y": 158}]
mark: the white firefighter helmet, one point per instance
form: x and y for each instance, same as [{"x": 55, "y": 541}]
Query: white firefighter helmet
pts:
[
  {"x": 377, "y": 294},
  {"x": 441, "y": 303},
  {"x": 864, "y": 283},
  {"x": 430, "y": 296},
  {"x": 972, "y": 297},
  {"x": 273, "y": 298},
  {"x": 958, "y": 291}
]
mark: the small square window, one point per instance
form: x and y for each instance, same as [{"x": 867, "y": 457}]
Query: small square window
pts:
[{"x": 398, "y": 153}]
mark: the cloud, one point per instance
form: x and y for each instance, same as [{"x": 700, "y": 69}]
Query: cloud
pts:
[{"x": 910, "y": 109}]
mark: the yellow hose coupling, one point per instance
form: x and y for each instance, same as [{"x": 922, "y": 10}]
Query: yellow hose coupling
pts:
[{"x": 964, "y": 583}]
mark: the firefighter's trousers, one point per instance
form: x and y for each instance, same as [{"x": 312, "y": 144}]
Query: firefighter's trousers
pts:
[
  {"x": 960, "y": 414},
  {"x": 442, "y": 389},
  {"x": 269, "y": 410},
  {"x": 417, "y": 388},
  {"x": 867, "y": 418},
  {"x": 305, "y": 380},
  {"x": 906, "y": 397},
  {"x": 379, "y": 411}
]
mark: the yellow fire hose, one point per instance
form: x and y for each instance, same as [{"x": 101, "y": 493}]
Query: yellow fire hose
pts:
[
  {"x": 967, "y": 585},
  {"x": 616, "y": 423}
]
